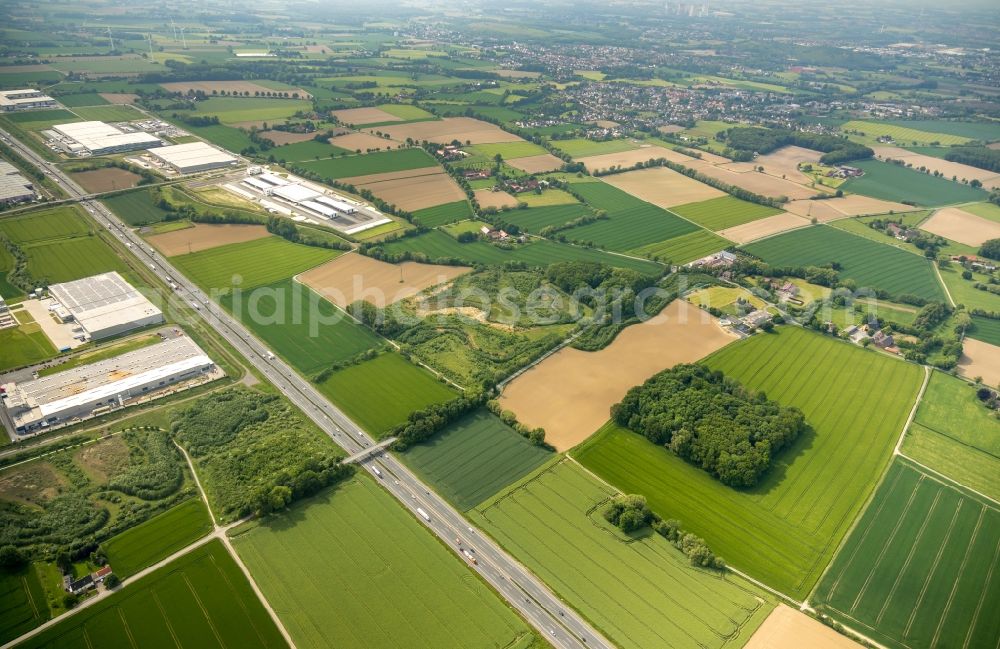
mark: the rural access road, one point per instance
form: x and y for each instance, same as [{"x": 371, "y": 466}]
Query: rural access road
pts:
[{"x": 559, "y": 624}]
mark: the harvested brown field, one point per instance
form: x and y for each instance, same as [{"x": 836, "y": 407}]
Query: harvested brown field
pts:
[
  {"x": 783, "y": 162},
  {"x": 961, "y": 226},
  {"x": 632, "y": 157},
  {"x": 670, "y": 128},
  {"x": 605, "y": 123},
  {"x": 119, "y": 97},
  {"x": 755, "y": 182},
  {"x": 711, "y": 158},
  {"x": 849, "y": 205},
  {"x": 489, "y": 198},
  {"x": 517, "y": 74},
  {"x": 990, "y": 179},
  {"x": 417, "y": 192},
  {"x": 786, "y": 628},
  {"x": 363, "y": 116},
  {"x": 202, "y": 236},
  {"x": 106, "y": 180},
  {"x": 463, "y": 129},
  {"x": 662, "y": 186},
  {"x": 352, "y": 277},
  {"x": 980, "y": 359},
  {"x": 536, "y": 164},
  {"x": 229, "y": 86},
  {"x": 284, "y": 137},
  {"x": 391, "y": 175},
  {"x": 570, "y": 393},
  {"x": 362, "y": 141},
  {"x": 822, "y": 211},
  {"x": 763, "y": 227}
]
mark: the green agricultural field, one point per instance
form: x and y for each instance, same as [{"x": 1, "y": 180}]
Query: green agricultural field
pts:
[
  {"x": 986, "y": 130},
  {"x": 22, "y": 601},
  {"x": 23, "y": 79},
  {"x": 381, "y": 393},
  {"x": 137, "y": 208},
  {"x": 474, "y": 458},
  {"x": 37, "y": 120},
  {"x": 200, "y": 596},
  {"x": 582, "y": 148},
  {"x": 986, "y": 330},
  {"x": 257, "y": 262},
  {"x": 24, "y": 345},
  {"x": 407, "y": 112},
  {"x": 111, "y": 113},
  {"x": 785, "y": 531},
  {"x": 989, "y": 211},
  {"x": 954, "y": 434},
  {"x": 157, "y": 538},
  {"x": 62, "y": 260},
  {"x": 903, "y": 135},
  {"x": 867, "y": 262},
  {"x": 536, "y": 219},
  {"x": 53, "y": 223},
  {"x": 723, "y": 212},
  {"x": 231, "y": 110},
  {"x": 228, "y": 137},
  {"x": 919, "y": 570},
  {"x": 685, "y": 248},
  {"x": 308, "y": 150},
  {"x": 372, "y": 163},
  {"x": 355, "y": 551},
  {"x": 893, "y": 182},
  {"x": 508, "y": 150},
  {"x": 431, "y": 217},
  {"x": 637, "y": 589},
  {"x": 305, "y": 329},
  {"x": 632, "y": 222},
  {"x": 82, "y": 99},
  {"x": 548, "y": 198},
  {"x": 964, "y": 291}
]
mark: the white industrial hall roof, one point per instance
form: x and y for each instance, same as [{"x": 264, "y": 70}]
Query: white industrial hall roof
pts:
[
  {"x": 98, "y": 136},
  {"x": 103, "y": 301},
  {"x": 192, "y": 154}
]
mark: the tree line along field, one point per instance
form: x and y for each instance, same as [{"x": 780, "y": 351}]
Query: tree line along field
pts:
[
  {"x": 867, "y": 262},
  {"x": 440, "y": 245},
  {"x": 201, "y": 599},
  {"x": 955, "y": 434},
  {"x": 723, "y": 212},
  {"x": 632, "y": 222},
  {"x": 785, "y": 530},
  {"x": 381, "y": 393},
  {"x": 922, "y": 567},
  {"x": 894, "y": 182},
  {"x": 300, "y": 325},
  {"x": 371, "y": 163},
  {"x": 432, "y": 217},
  {"x": 474, "y": 458},
  {"x": 637, "y": 589},
  {"x": 351, "y": 568},
  {"x": 255, "y": 263},
  {"x": 157, "y": 538}
]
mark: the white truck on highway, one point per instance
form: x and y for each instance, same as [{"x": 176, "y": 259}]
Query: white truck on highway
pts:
[
  {"x": 269, "y": 354},
  {"x": 424, "y": 515},
  {"x": 376, "y": 471}
]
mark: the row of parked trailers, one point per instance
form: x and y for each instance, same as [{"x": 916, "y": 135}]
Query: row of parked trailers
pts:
[{"x": 269, "y": 184}]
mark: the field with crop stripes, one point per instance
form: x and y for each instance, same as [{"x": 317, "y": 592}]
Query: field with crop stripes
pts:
[
  {"x": 371, "y": 163},
  {"x": 582, "y": 147},
  {"x": 475, "y": 458},
  {"x": 136, "y": 208},
  {"x": 723, "y": 212},
  {"x": 350, "y": 568},
  {"x": 784, "y": 531},
  {"x": 904, "y": 134},
  {"x": 22, "y": 601},
  {"x": 305, "y": 329},
  {"x": 200, "y": 599},
  {"x": 441, "y": 245},
  {"x": 256, "y": 263},
  {"x": 431, "y": 217},
  {"x": 382, "y": 392},
  {"x": 867, "y": 262},
  {"x": 55, "y": 223},
  {"x": 986, "y": 330},
  {"x": 159, "y": 537},
  {"x": 632, "y": 223},
  {"x": 893, "y": 182},
  {"x": 534, "y": 219},
  {"x": 685, "y": 248},
  {"x": 63, "y": 260},
  {"x": 638, "y": 590},
  {"x": 922, "y": 568}
]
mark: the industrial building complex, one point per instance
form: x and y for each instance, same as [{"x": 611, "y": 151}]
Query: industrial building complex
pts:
[
  {"x": 102, "y": 306},
  {"x": 14, "y": 188},
  {"x": 98, "y": 138},
  {"x": 95, "y": 389},
  {"x": 24, "y": 99},
  {"x": 192, "y": 157}
]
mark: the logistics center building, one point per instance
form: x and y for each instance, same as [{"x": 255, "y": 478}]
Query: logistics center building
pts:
[
  {"x": 103, "y": 305},
  {"x": 193, "y": 157},
  {"x": 97, "y": 138}
]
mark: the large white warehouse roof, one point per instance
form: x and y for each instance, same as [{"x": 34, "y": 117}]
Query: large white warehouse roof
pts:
[
  {"x": 105, "y": 304},
  {"x": 98, "y": 137},
  {"x": 193, "y": 156}
]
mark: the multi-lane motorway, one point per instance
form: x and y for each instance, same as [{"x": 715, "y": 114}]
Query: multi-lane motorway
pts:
[{"x": 560, "y": 625}]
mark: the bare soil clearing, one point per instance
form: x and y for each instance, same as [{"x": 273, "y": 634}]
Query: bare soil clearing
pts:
[
  {"x": 663, "y": 187},
  {"x": 363, "y": 116},
  {"x": 990, "y": 179},
  {"x": 536, "y": 164},
  {"x": 755, "y": 181},
  {"x": 352, "y": 277},
  {"x": 284, "y": 137},
  {"x": 230, "y": 87},
  {"x": 362, "y": 141},
  {"x": 632, "y": 157},
  {"x": 31, "y": 484},
  {"x": 763, "y": 227},
  {"x": 961, "y": 226},
  {"x": 417, "y": 192},
  {"x": 786, "y": 628},
  {"x": 783, "y": 162},
  {"x": 489, "y": 198},
  {"x": 203, "y": 236},
  {"x": 443, "y": 131},
  {"x": 119, "y": 97},
  {"x": 570, "y": 393},
  {"x": 980, "y": 359},
  {"x": 106, "y": 180}
]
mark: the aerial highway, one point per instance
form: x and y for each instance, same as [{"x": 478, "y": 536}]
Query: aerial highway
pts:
[{"x": 560, "y": 625}]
